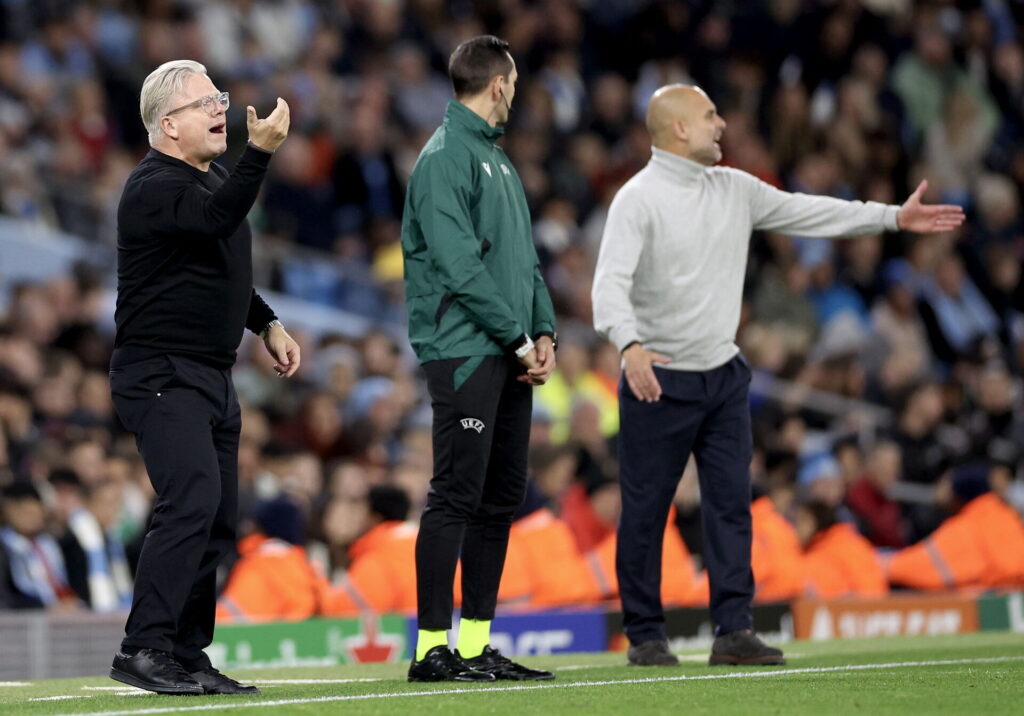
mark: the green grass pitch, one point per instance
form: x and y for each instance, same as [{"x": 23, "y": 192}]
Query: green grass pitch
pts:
[{"x": 979, "y": 673}]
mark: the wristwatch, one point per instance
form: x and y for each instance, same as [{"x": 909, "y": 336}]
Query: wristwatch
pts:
[
  {"x": 552, "y": 335},
  {"x": 266, "y": 328}
]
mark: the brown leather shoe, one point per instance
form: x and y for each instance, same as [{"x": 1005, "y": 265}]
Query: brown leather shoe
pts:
[
  {"x": 744, "y": 648},
  {"x": 651, "y": 653}
]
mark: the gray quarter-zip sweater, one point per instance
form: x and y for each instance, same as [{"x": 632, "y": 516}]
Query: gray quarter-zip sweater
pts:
[{"x": 674, "y": 253}]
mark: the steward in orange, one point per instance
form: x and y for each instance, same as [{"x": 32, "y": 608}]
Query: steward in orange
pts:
[
  {"x": 382, "y": 572},
  {"x": 838, "y": 560},
  {"x": 543, "y": 568},
  {"x": 274, "y": 578},
  {"x": 982, "y": 545},
  {"x": 680, "y": 584},
  {"x": 776, "y": 555}
]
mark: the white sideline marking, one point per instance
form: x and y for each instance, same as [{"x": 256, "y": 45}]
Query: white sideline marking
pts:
[
  {"x": 109, "y": 688},
  {"x": 14, "y": 683},
  {"x": 262, "y": 682},
  {"x": 60, "y": 698},
  {"x": 566, "y": 685}
]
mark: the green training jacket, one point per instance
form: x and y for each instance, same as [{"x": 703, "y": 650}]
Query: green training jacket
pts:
[{"x": 472, "y": 279}]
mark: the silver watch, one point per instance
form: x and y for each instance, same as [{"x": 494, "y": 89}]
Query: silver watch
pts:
[{"x": 266, "y": 328}]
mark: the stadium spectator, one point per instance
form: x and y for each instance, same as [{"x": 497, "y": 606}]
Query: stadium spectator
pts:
[
  {"x": 775, "y": 554},
  {"x": 681, "y": 583},
  {"x": 955, "y": 313},
  {"x": 838, "y": 561},
  {"x": 382, "y": 574},
  {"x": 35, "y": 573},
  {"x": 94, "y": 555},
  {"x": 591, "y": 508},
  {"x": 879, "y": 516},
  {"x": 273, "y": 577},
  {"x": 544, "y": 567},
  {"x": 981, "y": 545},
  {"x": 820, "y": 479}
]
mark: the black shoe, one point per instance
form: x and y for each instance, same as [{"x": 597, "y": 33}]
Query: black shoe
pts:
[
  {"x": 153, "y": 670},
  {"x": 493, "y": 662},
  {"x": 214, "y": 682},
  {"x": 744, "y": 648},
  {"x": 440, "y": 664},
  {"x": 651, "y": 653}
]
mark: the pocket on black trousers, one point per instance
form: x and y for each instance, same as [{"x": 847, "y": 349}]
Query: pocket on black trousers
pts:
[{"x": 135, "y": 388}]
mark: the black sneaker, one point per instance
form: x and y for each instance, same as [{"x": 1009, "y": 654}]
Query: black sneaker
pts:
[
  {"x": 492, "y": 661},
  {"x": 744, "y": 648},
  {"x": 440, "y": 664},
  {"x": 153, "y": 670},
  {"x": 651, "y": 653},
  {"x": 214, "y": 682}
]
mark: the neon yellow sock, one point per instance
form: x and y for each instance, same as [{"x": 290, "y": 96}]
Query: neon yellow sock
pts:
[
  {"x": 474, "y": 635},
  {"x": 427, "y": 639}
]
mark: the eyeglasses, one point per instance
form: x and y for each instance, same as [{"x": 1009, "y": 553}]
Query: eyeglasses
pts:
[{"x": 209, "y": 104}]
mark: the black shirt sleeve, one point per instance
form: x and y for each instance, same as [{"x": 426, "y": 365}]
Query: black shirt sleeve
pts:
[
  {"x": 177, "y": 204},
  {"x": 260, "y": 314}
]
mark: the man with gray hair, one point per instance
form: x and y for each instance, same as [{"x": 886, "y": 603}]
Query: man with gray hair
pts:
[
  {"x": 184, "y": 296},
  {"x": 667, "y": 291}
]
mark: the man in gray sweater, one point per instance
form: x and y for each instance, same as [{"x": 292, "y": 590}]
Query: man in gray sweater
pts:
[{"x": 667, "y": 291}]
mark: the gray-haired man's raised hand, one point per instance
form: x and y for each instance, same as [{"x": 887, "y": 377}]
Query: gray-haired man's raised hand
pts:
[{"x": 267, "y": 134}]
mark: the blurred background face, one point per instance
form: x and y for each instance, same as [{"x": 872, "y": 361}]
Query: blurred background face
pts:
[
  {"x": 884, "y": 465},
  {"x": 996, "y": 392},
  {"x": 806, "y": 525},
  {"x": 345, "y": 520},
  {"x": 105, "y": 503},
  {"x": 606, "y": 502},
  {"x": 927, "y": 404},
  {"x": 27, "y": 517},
  {"x": 828, "y": 489}
]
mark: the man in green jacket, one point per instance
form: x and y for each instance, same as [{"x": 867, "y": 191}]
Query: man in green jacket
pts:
[{"x": 482, "y": 324}]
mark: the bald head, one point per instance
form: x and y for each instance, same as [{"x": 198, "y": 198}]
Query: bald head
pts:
[{"x": 683, "y": 120}]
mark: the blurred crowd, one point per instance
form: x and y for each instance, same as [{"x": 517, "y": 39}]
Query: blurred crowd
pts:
[{"x": 894, "y": 363}]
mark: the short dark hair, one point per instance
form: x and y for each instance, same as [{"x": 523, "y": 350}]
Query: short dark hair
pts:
[
  {"x": 391, "y": 503},
  {"x": 825, "y": 515},
  {"x": 476, "y": 61},
  {"x": 19, "y": 491}
]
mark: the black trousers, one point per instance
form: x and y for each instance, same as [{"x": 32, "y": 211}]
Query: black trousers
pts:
[
  {"x": 706, "y": 413},
  {"x": 186, "y": 421},
  {"x": 481, "y": 435}
]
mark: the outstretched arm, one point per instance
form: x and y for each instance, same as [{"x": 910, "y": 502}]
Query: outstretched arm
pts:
[{"x": 827, "y": 217}]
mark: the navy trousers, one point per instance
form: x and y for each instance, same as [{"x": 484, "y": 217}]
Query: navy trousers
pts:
[{"x": 705, "y": 413}]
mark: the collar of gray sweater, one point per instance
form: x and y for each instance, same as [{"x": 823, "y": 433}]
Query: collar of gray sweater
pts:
[{"x": 676, "y": 167}]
